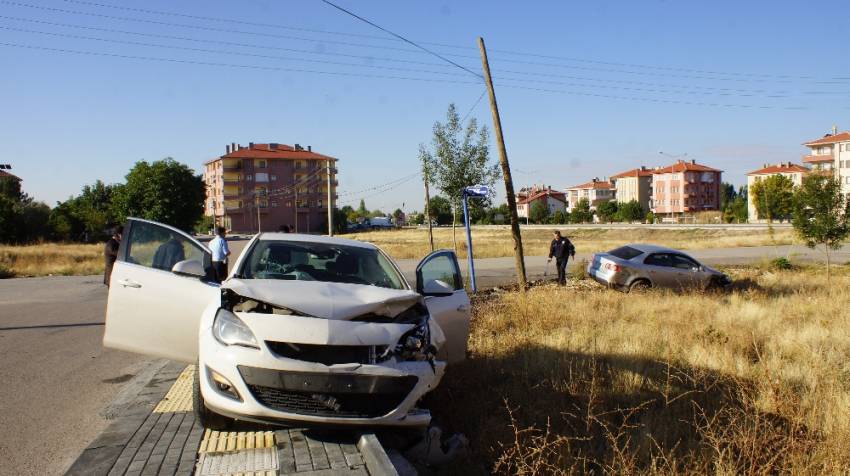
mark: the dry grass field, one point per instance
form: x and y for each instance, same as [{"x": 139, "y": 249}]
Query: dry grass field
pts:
[
  {"x": 493, "y": 243},
  {"x": 582, "y": 379},
  {"x": 50, "y": 259},
  {"x": 76, "y": 259}
]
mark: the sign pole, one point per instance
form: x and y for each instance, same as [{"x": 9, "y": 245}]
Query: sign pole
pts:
[{"x": 469, "y": 243}]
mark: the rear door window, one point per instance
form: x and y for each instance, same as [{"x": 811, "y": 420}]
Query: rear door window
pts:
[
  {"x": 658, "y": 259},
  {"x": 625, "y": 252}
]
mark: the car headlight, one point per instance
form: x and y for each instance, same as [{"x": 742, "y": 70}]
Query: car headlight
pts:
[
  {"x": 230, "y": 330},
  {"x": 415, "y": 342}
]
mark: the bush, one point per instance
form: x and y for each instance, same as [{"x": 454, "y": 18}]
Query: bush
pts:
[
  {"x": 6, "y": 272},
  {"x": 781, "y": 263}
]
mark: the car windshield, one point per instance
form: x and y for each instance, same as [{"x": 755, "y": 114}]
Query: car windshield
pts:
[
  {"x": 625, "y": 252},
  {"x": 305, "y": 261}
]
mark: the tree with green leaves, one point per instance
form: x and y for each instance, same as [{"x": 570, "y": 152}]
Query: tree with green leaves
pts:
[
  {"x": 165, "y": 191},
  {"x": 398, "y": 216},
  {"x": 581, "y": 212},
  {"x": 727, "y": 194},
  {"x": 362, "y": 211},
  {"x": 440, "y": 210},
  {"x": 607, "y": 211},
  {"x": 773, "y": 197},
  {"x": 631, "y": 211},
  {"x": 458, "y": 157},
  {"x": 736, "y": 210},
  {"x": 539, "y": 212},
  {"x": 560, "y": 217},
  {"x": 821, "y": 214}
]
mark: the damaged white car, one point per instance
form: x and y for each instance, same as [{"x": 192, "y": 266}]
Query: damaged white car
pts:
[{"x": 306, "y": 329}]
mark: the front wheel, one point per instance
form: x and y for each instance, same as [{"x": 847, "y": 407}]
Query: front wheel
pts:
[{"x": 206, "y": 417}]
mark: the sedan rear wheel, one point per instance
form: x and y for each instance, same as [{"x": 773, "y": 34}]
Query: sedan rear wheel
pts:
[
  {"x": 639, "y": 286},
  {"x": 206, "y": 417}
]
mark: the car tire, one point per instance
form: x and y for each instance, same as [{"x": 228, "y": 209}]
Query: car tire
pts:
[
  {"x": 206, "y": 417},
  {"x": 639, "y": 286}
]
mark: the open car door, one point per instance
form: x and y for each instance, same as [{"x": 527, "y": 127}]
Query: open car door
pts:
[
  {"x": 438, "y": 279},
  {"x": 159, "y": 288}
]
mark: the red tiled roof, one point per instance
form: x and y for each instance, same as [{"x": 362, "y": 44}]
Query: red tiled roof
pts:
[
  {"x": 830, "y": 139},
  {"x": 4, "y": 174},
  {"x": 556, "y": 195},
  {"x": 781, "y": 168},
  {"x": 809, "y": 159},
  {"x": 595, "y": 184},
  {"x": 682, "y": 166},
  {"x": 265, "y": 151},
  {"x": 633, "y": 173}
]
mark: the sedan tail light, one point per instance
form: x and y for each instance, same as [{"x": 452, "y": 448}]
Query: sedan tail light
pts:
[{"x": 612, "y": 267}]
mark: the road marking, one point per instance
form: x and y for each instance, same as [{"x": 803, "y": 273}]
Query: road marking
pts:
[{"x": 179, "y": 396}]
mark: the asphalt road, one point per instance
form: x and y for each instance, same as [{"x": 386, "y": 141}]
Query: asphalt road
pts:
[{"x": 57, "y": 379}]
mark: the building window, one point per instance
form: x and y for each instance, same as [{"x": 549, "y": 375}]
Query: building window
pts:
[
  {"x": 274, "y": 204},
  {"x": 288, "y": 204},
  {"x": 274, "y": 177},
  {"x": 260, "y": 164}
]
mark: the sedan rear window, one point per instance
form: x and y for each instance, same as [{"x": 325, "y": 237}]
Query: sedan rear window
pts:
[{"x": 625, "y": 252}]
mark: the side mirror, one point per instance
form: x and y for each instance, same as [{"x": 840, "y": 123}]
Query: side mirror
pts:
[
  {"x": 189, "y": 267},
  {"x": 436, "y": 287}
]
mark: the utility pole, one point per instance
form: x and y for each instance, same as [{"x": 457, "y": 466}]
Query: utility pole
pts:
[
  {"x": 506, "y": 169},
  {"x": 330, "y": 202},
  {"x": 428, "y": 210},
  {"x": 296, "y": 207},
  {"x": 259, "y": 225}
]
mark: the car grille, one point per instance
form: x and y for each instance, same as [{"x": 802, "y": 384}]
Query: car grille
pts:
[
  {"x": 328, "y": 354},
  {"x": 340, "y": 395},
  {"x": 338, "y": 405}
]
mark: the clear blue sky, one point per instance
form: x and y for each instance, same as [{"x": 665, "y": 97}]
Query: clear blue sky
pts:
[{"x": 69, "y": 119}]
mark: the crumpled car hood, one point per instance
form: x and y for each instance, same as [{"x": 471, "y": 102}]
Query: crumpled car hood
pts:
[{"x": 337, "y": 301}]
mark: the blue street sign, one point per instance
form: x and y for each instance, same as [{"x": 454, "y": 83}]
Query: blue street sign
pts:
[{"x": 476, "y": 191}]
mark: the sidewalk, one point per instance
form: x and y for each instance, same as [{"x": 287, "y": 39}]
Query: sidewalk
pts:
[{"x": 155, "y": 433}]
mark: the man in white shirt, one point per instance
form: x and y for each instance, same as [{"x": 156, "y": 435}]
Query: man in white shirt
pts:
[{"x": 220, "y": 252}]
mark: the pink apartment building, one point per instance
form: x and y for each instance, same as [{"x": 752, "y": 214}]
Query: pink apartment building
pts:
[{"x": 685, "y": 187}]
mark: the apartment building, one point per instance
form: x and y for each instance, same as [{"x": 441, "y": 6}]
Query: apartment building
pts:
[
  {"x": 635, "y": 184},
  {"x": 793, "y": 171},
  {"x": 831, "y": 153},
  {"x": 552, "y": 199},
  {"x": 265, "y": 186},
  {"x": 596, "y": 192},
  {"x": 685, "y": 187}
]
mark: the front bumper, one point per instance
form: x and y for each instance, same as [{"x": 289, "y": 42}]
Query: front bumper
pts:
[{"x": 276, "y": 389}]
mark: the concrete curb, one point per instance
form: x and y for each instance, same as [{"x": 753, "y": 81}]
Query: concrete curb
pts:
[{"x": 376, "y": 459}]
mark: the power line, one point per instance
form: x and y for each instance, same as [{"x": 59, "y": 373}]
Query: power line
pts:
[
  {"x": 204, "y": 28},
  {"x": 403, "y": 39},
  {"x": 376, "y": 187},
  {"x": 236, "y": 53},
  {"x": 375, "y": 76},
  {"x": 230, "y": 65},
  {"x": 652, "y": 100},
  {"x": 473, "y": 106},
  {"x": 752, "y": 76},
  {"x": 221, "y": 42},
  {"x": 500, "y": 76},
  {"x": 497, "y": 51}
]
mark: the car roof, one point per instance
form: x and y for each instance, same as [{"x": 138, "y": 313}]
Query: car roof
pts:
[
  {"x": 646, "y": 248},
  {"x": 305, "y": 238}
]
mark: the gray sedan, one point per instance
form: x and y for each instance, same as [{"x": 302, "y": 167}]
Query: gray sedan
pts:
[{"x": 639, "y": 266}]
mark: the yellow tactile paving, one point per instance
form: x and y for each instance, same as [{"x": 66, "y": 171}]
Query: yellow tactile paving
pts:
[
  {"x": 222, "y": 441},
  {"x": 179, "y": 396}
]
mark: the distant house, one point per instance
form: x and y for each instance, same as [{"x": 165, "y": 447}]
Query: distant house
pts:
[
  {"x": 793, "y": 171},
  {"x": 635, "y": 184},
  {"x": 552, "y": 199},
  {"x": 831, "y": 153},
  {"x": 685, "y": 188},
  {"x": 596, "y": 192}
]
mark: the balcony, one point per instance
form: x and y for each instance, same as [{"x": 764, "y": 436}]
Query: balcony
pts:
[
  {"x": 230, "y": 181},
  {"x": 232, "y": 167}
]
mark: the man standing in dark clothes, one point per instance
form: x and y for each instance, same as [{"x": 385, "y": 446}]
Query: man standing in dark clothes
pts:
[
  {"x": 561, "y": 249},
  {"x": 110, "y": 252}
]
